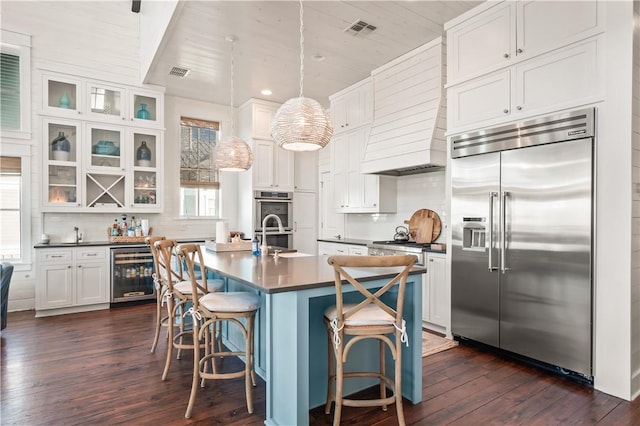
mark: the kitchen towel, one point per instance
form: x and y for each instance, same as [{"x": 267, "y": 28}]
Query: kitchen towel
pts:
[{"x": 222, "y": 232}]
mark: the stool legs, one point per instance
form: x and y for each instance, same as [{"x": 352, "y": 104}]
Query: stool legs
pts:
[{"x": 159, "y": 319}]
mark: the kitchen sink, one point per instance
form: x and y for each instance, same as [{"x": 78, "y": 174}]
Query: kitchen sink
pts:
[{"x": 272, "y": 250}]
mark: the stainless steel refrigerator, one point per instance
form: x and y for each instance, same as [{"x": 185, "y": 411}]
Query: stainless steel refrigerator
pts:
[{"x": 522, "y": 238}]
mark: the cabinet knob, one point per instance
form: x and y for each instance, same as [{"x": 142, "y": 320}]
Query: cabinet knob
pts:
[
  {"x": 519, "y": 108},
  {"x": 79, "y": 266},
  {"x": 79, "y": 112},
  {"x": 506, "y": 111},
  {"x": 68, "y": 266},
  {"x": 347, "y": 125},
  {"x": 430, "y": 260},
  {"x": 519, "y": 51},
  {"x": 506, "y": 55}
]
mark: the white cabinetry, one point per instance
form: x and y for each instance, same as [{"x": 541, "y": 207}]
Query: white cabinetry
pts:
[
  {"x": 305, "y": 170},
  {"x": 435, "y": 294},
  {"x": 505, "y": 33},
  {"x": 304, "y": 222},
  {"x": 560, "y": 79},
  {"x": 272, "y": 166},
  {"x": 106, "y": 164},
  {"x": 72, "y": 280},
  {"x": 352, "y": 107},
  {"x": 329, "y": 249},
  {"x": 355, "y": 192},
  {"x": 79, "y": 97}
]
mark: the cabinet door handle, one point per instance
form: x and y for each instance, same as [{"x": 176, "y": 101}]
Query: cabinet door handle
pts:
[
  {"x": 506, "y": 55},
  {"x": 519, "y": 108},
  {"x": 506, "y": 111},
  {"x": 519, "y": 51}
]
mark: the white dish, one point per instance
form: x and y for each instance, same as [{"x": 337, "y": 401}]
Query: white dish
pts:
[{"x": 294, "y": 254}]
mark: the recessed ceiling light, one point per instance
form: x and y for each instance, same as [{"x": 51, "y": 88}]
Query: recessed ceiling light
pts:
[
  {"x": 266, "y": 92},
  {"x": 318, "y": 58}
]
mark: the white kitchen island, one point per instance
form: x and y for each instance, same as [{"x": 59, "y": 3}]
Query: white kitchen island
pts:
[{"x": 291, "y": 342}]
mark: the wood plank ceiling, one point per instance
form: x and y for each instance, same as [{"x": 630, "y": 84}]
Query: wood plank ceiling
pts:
[{"x": 267, "y": 50}]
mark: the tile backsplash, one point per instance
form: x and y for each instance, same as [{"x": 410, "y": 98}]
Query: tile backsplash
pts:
[{"x": 415, "y": 192}]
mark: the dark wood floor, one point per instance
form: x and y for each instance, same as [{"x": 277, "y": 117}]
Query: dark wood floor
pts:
[{"x": 95, "y": 368}]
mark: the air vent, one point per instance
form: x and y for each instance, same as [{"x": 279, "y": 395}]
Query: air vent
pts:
[
  {"x": 179, "y": 71},
  {"x": 360, "y": 28}
]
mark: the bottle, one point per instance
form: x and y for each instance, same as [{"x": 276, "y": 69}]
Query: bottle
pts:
[
  {"x": 60, "y": 147},
  {"x": 255, "y": 246},
  {"x": 143, "y": 112},
  {"x": 114, "y": 229},
  {"x": 65, "y": 101},
  {"x": 143, "y": 155}
]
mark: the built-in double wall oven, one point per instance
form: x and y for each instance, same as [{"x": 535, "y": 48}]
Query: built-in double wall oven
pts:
[{"x": 280, "y": 204}]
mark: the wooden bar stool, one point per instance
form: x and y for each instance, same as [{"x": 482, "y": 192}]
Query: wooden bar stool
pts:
[
  {"x": 369, "y": 319},
  {"x": 178, "y": 296},
  {"x": 209, "y": 310},
  {"x": 161, "y": 289}
]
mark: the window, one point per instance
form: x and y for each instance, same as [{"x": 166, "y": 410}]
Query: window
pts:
[
  {"x": 199, "y": 186},
  {"x": 15, "y": 89},
  {"x": 15, "y": 225}
]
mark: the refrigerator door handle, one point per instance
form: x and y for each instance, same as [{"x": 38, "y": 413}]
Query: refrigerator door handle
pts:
[
  {"x": 503, "y": 234},
  {"x": 492, "y": 195}
]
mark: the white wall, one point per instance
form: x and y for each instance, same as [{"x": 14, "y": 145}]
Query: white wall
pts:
[
  {"x": 422, "y": 191},
  {"x": 100, "y": 40},
  {"x": 635, "y": 210},
  {"x": 613, "y": 290}
]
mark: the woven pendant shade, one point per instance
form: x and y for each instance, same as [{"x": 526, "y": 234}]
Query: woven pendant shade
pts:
[
  {"x": 232, "y": 154},
  {"x": 301, "y": 124}
]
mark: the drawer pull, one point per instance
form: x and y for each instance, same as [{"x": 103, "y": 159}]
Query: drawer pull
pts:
[
  {"x": 56, "y": 256},
  {"x": 91, "y": 254}
]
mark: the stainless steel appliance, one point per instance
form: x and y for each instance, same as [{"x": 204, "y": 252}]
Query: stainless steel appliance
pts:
[
  {"x": 131, "y": 274},
  {"x": 393, "y": 248},
  {"x": 281, "y": 205},
  {"x": 522, "y": 238}
]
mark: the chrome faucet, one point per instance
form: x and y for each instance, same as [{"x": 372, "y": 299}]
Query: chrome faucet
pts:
[
  {"x": 264, "y": 250},
  {"x": 78, "y": 235}
]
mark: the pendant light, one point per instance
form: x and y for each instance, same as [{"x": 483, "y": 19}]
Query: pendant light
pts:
[
  {"x": 301, "y": 124},
  {"x": 232, "y": 154}
]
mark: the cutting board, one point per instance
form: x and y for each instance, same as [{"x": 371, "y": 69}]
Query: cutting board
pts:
[{"x": 424, "y": 226}]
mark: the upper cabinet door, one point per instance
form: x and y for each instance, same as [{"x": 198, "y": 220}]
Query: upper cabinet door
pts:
[
  {"x": 545, "y": 25},
  {"x": 106, "y": 103},
  {"x": 62, "y": 95},
  {"x": 482, "y": 43},
  {"x": 146, "y": 108}
]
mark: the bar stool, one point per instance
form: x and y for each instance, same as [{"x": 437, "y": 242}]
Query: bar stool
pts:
[
  {"x": 161, "y": 289},
  {"x": 178, "y": 295},
  {"x": 371, "y": 318},
  {"x": 209, "y": 310}
]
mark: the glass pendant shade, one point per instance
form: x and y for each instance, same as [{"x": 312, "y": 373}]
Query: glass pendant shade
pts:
[
  {"x": 232, "y": 154},
  {"x": 301, "y": 124}
]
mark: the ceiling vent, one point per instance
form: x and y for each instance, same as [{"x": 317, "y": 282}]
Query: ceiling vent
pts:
[
  {"x": 179, "y": 71},
  {"x": 360, "y": 28}
]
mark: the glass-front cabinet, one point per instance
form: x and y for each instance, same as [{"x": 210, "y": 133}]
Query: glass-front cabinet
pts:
[
  {"x": 145, "y": 156},
  {"x": 62, "y": 95},
  {"x": 62, "y": 156},
  {"x": 108, "y": 157}
]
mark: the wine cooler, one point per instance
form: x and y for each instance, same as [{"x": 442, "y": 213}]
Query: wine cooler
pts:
[{"x": 131, "y": 274}]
